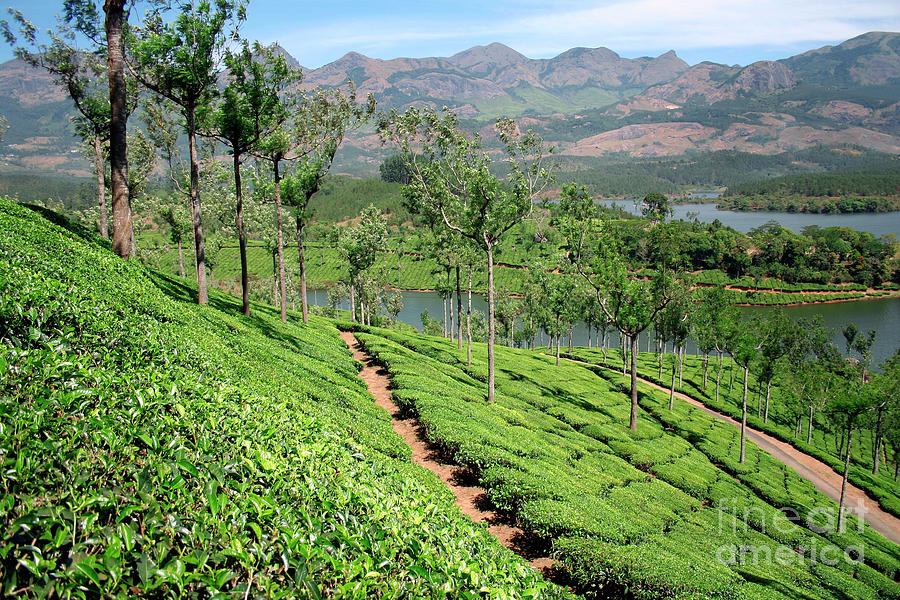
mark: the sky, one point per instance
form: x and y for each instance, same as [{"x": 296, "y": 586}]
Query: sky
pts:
[{"x": 730, "y": 31}]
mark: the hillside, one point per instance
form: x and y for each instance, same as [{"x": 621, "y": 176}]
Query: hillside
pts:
[
  {"x": 158, "y": 448},
  {"x": 589, "y": 102},
  {"x": 664, "y": 512},
  {"x": 153, "y": 448}
]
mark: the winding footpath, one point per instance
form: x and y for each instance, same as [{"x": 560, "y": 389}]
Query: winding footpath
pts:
[
  {"x": 822, "y": 476},
  {"x": 470, "y": 498}
]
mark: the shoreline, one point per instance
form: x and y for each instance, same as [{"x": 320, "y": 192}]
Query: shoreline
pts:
[{"x": 893, "y": 294}]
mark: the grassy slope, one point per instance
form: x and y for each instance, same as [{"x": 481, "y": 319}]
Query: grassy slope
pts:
[
  {"x": 154, "y": 448},
  {"x": 642, "y": 512}
]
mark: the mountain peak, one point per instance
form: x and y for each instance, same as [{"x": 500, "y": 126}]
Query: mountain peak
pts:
[{"x": 493, "y": 55}]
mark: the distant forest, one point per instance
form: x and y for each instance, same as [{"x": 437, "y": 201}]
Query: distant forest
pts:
[
  {"x": 868, "y": 182},
  {"x": 617, "y": 178},
  {"x": 71, "y": 193}
]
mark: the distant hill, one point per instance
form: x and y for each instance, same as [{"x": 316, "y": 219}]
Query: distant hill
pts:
[{"x": 589, "y": 102}]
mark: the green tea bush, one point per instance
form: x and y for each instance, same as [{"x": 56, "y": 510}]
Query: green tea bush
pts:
[
  {"x": 641, "y": 514},
  {"x": 154, "y": 448}
]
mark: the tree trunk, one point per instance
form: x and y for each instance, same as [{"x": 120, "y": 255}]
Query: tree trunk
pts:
[
  {"x": 101, "y": 187},
  {"x": 634, "y": 392},
  {"x": 557, "y": 349},
  {"x": 444, "y": 304},
  {"x": 809, "y": 426},
  {"x": 672, "y": 390},
  {"x": 352, "y": 300},
  {"x": 744, "y": 415},
  {"x": 659, "y": 358},
  {"x": 242, "y": 236},
  {"x": 279, "y": 228},
  {"x": 118, "y": 144},
  {"x": 469, "y": 324},
  {"x": 705, "y": 365},
  {"x": 450, "y": 305},
  {"x": 589, "y": 335},
  {"x": 681, "y": 366},
  {"x": 490, "y": 260},
  {"x": 731, "y": 376},
  {"x": 274, "y": 277},
  {"x": 768, "y": 396},
  {"x": 180, "y": 260},
  {"x": 876, "y": 450},
  {"x": 718, "y": 376},
  {"x": 197, "y": 212},
  {"x": 570, "y": 339},
  {"x": 459, "y": 326},
  {"x": 300, "y": 253},
  {"x": 759, "y": 400},
  {"x": 624, "y": 354},
  {"x": 603, "y": 347},
  {"x": 844, "y": 480}
]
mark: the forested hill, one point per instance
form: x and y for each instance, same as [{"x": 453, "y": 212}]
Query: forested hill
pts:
[{"x": 869, "y": 182}]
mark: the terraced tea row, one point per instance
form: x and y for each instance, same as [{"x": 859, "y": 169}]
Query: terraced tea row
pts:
[
  {"x": 781, "y": 422},
  {"x": 664, "y": 512}
]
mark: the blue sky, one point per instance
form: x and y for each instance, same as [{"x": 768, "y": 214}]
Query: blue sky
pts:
[{"x": 735, "y": 31}]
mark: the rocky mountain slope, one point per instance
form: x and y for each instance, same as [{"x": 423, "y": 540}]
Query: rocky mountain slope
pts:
[{"x": 587, "y": 101}]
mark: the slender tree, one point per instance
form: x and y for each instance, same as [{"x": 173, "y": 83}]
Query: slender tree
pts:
[
  {"x": 322, "y": 118},
  {"x": 181, "y": 60},
  {"x": 743, "y": 345},
  {"x": 630, "y": 303},
  {"x": 359, "y": 246},
  {"x": 453, "y": 179},
  {"x": 249, "y": 109}
]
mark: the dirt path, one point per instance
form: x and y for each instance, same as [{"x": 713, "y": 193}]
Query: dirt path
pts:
[
  {"x": 470, "y": 498},
  {"x": 822, "y": 476}
]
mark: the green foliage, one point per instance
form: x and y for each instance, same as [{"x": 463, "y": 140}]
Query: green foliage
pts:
[
  {"x": 152, "y": 447},
  {"x": 641, "y": 514},
  {"x": 616, "y": 177}
]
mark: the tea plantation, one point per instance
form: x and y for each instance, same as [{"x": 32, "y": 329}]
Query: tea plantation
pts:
[
  {"x": 781, "y": 423},
  {"x": 153, "y": 448},
  {"x": 667, "y": 512}
]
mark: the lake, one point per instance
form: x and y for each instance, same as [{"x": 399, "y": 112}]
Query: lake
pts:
[
  {"x": 877, "y": 224},
  {"x": 882, "y": 315}
]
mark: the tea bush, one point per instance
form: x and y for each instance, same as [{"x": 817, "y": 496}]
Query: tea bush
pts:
[
  {"x": 636, "y": 514},
  {"x": 154, "y": 448}
]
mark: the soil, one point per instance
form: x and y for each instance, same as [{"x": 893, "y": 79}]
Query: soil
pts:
[
  {"x": 822, "y": 476},
  {"x": 470, "y": 498}
]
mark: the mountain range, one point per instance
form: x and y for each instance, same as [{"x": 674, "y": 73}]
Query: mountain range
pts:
[{"x": 588, "y": 102}]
